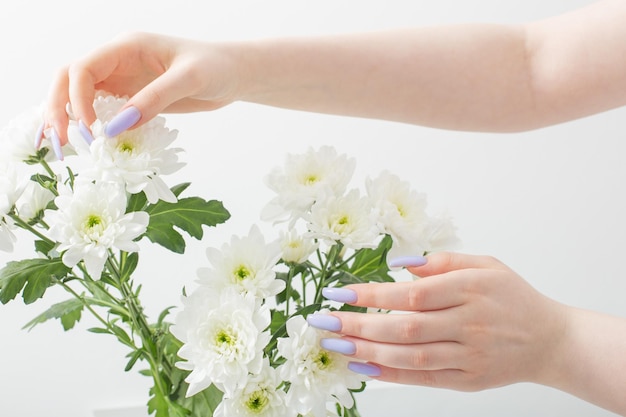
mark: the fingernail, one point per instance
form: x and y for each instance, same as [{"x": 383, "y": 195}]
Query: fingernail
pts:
[
  {"x": 406, "y": 261},
  {"x": 364, "y": 368},
  {"x": 85, "y": 132},
  {"x": 341, "y": 295},
  {"x": 123, "y": 121},
  {"x": 342, "y": 346},
  {"x": 56, "y": 144},
  {"x": 324, "y": 322},
  {"x": 39, "y": 135}
]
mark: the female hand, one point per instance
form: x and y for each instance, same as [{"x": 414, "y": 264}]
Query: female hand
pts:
[
  {"x": 158, "y": 73},
  {"x": 472, "y": 324}
]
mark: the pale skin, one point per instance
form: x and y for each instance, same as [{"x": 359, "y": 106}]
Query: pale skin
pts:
[{"x": 475, "y": 323}]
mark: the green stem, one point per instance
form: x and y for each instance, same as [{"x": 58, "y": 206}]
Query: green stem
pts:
[{"x": 21, "y": 223}]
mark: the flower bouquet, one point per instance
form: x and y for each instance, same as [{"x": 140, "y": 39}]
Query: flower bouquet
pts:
[{"x": 239, "y": 344}]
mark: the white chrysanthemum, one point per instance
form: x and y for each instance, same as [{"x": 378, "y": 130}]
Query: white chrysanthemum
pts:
[
  {"x": 305, "y": 179},
  {"x": 33, "y": 201},
  {"x": 295, "y": 247},
  {"x": 440, "y": 233},
  {"x": 317, "y": 376},
  {"x": 10, "y": 191},
  {"x": 17, "y": 138},
  {"x": 224, "y": 337},
  {"x": 348, "y": 219},
  {"x": 245, "y": 264},
  {"x": 401, "y": 211},
  {"x": 259, "y": 397},
  {"x": 137, "y": 157},
  {"x": 90, "y": 221}
]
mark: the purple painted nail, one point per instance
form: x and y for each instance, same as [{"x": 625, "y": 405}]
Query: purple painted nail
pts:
[
  {"x": 324, "y": 322},
  {"x": 85, "y": 132},
  {"x": 405, "y": 261},
  {"x": 342, "y": 346},
  {"x": 341, "y": 295},
  {"x": 364, "y": 368},
  {"x": 39, "y": 135},
  {"x": 56, "y": 144},
  {"x": 123, "y": 121}
]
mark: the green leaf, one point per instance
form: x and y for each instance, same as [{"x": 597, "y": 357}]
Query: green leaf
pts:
[
  {"x": 188, "y": 214},
  {"x": 136, "y": 202},
  {"x": 33, "y": 275},
  {"x": 369, "y": 265},
  {"x": 68, "y": 311},
  {"x": 43, "y": 247},
  {"x": 129, "y": 265},
  {"x": 134, "y": 357}
]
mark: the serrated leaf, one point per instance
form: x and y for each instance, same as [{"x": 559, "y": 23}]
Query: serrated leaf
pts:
[
  {"x": 33, "y": 275},
  {"x": 188, "y": 214},
  {"x": 68, "y": 311}
]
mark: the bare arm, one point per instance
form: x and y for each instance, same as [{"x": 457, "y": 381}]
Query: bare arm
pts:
[{"x": 467, "y": 77}]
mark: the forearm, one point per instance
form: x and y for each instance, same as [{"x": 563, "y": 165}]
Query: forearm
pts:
[
  {"x": 469, "y": 77},
  {"x": 590, "y": 360},
  {"x": 462, "y": 77}
]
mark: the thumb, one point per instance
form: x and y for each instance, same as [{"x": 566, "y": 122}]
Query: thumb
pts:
[{"x": 442, "y": 262}]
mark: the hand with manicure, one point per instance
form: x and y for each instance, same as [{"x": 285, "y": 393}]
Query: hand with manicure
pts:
[
  {"x": 471, "y": 323},
  {"x": 157, "y": 73}
]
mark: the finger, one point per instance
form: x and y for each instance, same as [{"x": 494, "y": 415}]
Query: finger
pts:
[
  {"x": 86, "y": 73},
  {"x": 442, "y": 262},
  {"x": 424, "y": 357},
  {"x": 432, "y": 326},
  {"x": 422, "y": 295},
  {"x": 441, "y": 378},
  {"x": 55, "y": 114},
  {"x": 160, "y": 94}
]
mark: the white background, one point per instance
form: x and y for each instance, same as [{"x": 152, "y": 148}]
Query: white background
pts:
[{"x": 549, "y": 203}]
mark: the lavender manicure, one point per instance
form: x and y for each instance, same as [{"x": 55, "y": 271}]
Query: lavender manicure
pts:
[
  {"x": 39, "y": 135},
  {"x": 123, "y": 121},
  {"x": 406, "y": 261},
  {"x": 341, "y": 295},
  {"x": 56, "y": 144},
  {"x": 324, "y": 322},
  {"x": 342, "y": 346},
  {"x": 85, "y": 132},
  {"x": 364, "y": 368}
]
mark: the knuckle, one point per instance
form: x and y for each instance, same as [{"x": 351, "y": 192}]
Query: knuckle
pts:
[
  {"x": 410, "y": 329},
  {"x": 416, "y": 297},
  {"x": 419, "y": 359}
]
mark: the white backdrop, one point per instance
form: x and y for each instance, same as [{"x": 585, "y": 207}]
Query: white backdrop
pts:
[{"x": 549, "y": 203}]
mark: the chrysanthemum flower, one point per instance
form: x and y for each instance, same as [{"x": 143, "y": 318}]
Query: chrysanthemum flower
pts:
[
  {"x": 90, "y": 221},
  {"x": 305, "y": 179},
  {"x": 33, "y": 201},
  {"x": 224, "y": 337},
  {"x": 296, "y": 248},
  {"x": 137, "y": 157},
  {"x": 401, "y": 213},
  {"x": 348, "y": 219},
  {"x": 10, "y": 191},
  {"x": 317, "y": 376},
  {"x": 246, "y": 264},
  {"x": 259, "y": 397},
  {"x": 17, "y": 138}
]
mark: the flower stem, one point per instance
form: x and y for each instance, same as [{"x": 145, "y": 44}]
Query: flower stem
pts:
[{"x": 21, "y": 223}]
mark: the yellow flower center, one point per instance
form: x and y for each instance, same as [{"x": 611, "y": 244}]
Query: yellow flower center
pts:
[
  {"x": 257, "y": 401},
  {"x": 242, "y": 272},
  {"x": 323, "y": 359}
]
